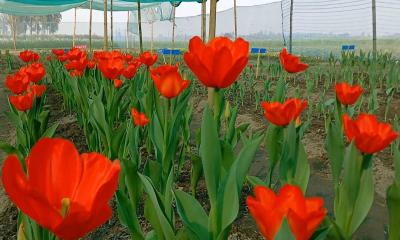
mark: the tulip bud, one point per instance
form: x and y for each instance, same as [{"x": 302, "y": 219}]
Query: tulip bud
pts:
[
  {"x": 65, "y": 202},
  {"x": 227, "y": 112},
  {"x": 21, "y": 232}
]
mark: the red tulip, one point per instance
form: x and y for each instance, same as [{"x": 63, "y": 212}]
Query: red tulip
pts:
[
  {"x": 111, "y": 68},
  {"x": 91, "y": 64},
  {"x": 304, "y": 215},
  {"x": 37, "y": 90},
  {"x": 49, "y": 58},
  {"x": 117, "y": 83},
  {"x": 128, "y": 57},
  {"x": 76, "y": 54},
  {"x": 77, "y": 64},
  {"x": 139, "y": 119},
  {"x": 347, "y": 94},
  {"x": 130, "y": 71},
  {"x": 168, "y": 81},
  {"x": 369, "y": 135},
  {"x": 29, "y": 56},
  {"x": 62, "y": 58},
  {"x": 291, "y": 63},
  {"x": 148, "y": 59},
  {"x": 219, "y": 63},
  {"x": 22, "y": 102},
  {"x": 58, "y": 52},
  {"x": 76, "y": 73},
  {"x": 281, "y": 114},
  {"x": 17, "y": 83},
  {"x": 35, "y": 71},
  {"x": 62, "y": 191}
]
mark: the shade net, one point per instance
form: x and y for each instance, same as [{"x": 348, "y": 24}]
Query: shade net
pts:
[{"x": 319, "y": 27}]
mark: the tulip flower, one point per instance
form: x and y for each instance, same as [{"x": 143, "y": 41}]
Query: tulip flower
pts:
[
  {"x": 76, "y": 54},
  {"x": 148, "y": 58},
  {"x": 369, "y": 135},
  {"x": 49, "y": 58},
  {"x": 91, "y": 64},
  {"x": 37, "y": 90},
  {"x": 128, "y": 57},
  {"x": 291, "y": 63},
  {"x": 58, "y": 52},
  {"x": 29, "y": 56},
  {"x": 78, "y": 65},
  {"x": 347, "y": 94},
  {"x": 304, "y": 215},
  {"x": 117, "y": 83},
  {"x": 219, "y": 63},
  {"x": 111, "y": 68},
  {"x": 62, "y": 191},
  {"x": 130, "y": 71},
  {"x": 168, "y": 81},
  {"x": 281, "y": 114},
  {"x": 22, "y": 102},
  {"x": 36, "y": 72},
  {"x": 17, "y": 83},
  {"x": 139, "y": 119},
  {"x": 62, "y": 58}
]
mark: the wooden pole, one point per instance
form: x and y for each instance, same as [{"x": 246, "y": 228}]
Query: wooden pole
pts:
[
  {"x": 204, "y": 20},
  {"x": 14, "y": 31},
  {"x": 140, "y": 26},
  {"x": 173, "y": 33},
  {"x": 105, "y": 25},
  {"x": 112, "y": 26},
  {"x": 127, "y": 33},
  {"x": 90, "y": 24},
  {"x": 152, "y": 36},
  {"x": 235, "y": 17},
  {"x": 74, "y": 34},
  {"x": 211, "y": 35},
  {"x": 374, "y": 38},
  {"x": 291, "y": 27}
]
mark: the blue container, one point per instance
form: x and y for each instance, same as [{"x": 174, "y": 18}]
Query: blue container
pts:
[{"x": 258, "y": 50}]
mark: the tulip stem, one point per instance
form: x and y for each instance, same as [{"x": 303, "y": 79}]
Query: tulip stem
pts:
[{"x": 211, "y": 92}]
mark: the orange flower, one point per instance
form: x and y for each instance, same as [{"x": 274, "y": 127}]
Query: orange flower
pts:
[
  {"x": 18, "y": 83},
  {"x": 29, "y": 56},
  {"x": 369, "y": 135},
  {"x": 69, "y": 203},
  {"x": 148, "y": 59},
  {"x": 117, "y": 83},
  {"x": 347, "y": 94},
  {"x": 37, "y": 90},
  {"x": 291, "y": 63},
  {"x": 58, "y": 52},
  {"x": 139, "y": 119},
  {"x": 304, "y": 215},
  {"x": 22, "y": 102},
  {"x": 111, "y": 67},
  {"x": 219, "y": 63},
  {"x": 130, "y": 71},
  {"x": 168, "y": 81},
  {"x": 281, "y": 114},
  {"x": 35, "y": 71}
]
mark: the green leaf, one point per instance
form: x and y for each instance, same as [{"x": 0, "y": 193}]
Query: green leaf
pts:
[
  {"x": 155, "y": 209},
  {"x": 335, "y": 149},
  {"x": 227, "y": 155},
  {"x": 302, "y": 174},
  {"x": 127, "y": 215},
  {"x": 273, "y": 144},
  {"x": 50, "y": 131},
  {"x": 255, "y": 181},
  {"x": 196, "y": 172},
  {"x": 210, "y": 152},
  {"x": 284, "y": 232},
  {"x": 393, "y": 203},
  {"x": 192, "y": 214},
  {"x": 8, "y": 148}
]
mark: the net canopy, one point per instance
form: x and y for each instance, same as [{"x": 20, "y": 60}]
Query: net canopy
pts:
[{"x": 47, "y": 7}]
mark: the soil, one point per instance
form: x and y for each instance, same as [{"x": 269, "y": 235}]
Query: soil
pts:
[{"x": 244, "y": 228}]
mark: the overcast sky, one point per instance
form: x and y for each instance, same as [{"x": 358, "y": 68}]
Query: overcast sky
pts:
[{"x": 185, "y": 9}]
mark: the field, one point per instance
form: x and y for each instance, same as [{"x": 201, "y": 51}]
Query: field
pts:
[{"x": 96, "y": 117}]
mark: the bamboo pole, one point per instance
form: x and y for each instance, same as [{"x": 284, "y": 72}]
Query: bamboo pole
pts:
[
  {"x": 204, "y": 20},
  {"x": 127, "y": 33},
  {"x": 112, "y": 26},
  {"x": 211, "y": 35},
  {"x": 90, "y": 24},
  {"x": 74, "y": 34},
  {"x": 140, "y": 26},
  {"x": 235, "y": 17},
  {"x": 173, "y": 33},
  {"x": 374, "y": 38},
  {"x": 105, "y": 25},
  {"x": 152, "y": 36},
  {"x": 14, "y": 31},
  {"x": 291, "y": 27}
]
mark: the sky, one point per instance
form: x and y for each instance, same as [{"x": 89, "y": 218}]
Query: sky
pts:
[{"x": 185, "y": 9}]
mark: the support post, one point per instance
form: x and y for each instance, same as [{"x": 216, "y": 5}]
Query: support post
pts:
[
  {"x": 74, "y": 34},
  {"x": 105, "y": 25},
  {"x": 211, "y": 35},
  {"x": 235, "y": 17},
  {"x": 112, "y": 25},
  {"x": 127, "y": 33},
  {"x": 90, "y": 24},
  {"x": 140, "y": 26},
  {"x": 374, "y": 37},
  {"x": 173, "y": 33},
  {"x": 291, "y": 27},
  {"x": 204, "y": 20}
]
